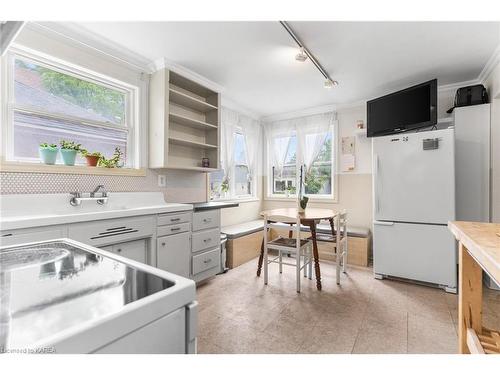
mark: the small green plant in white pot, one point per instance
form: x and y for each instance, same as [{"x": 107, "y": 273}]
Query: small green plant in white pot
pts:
[
  {"x": 69, "y": 149},
  {"x": 48, "y": 153}
]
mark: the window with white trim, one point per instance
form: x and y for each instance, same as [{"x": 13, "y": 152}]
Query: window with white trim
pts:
[
  {"x": 48, "y": 102},
  {"x": 319, "y": 178},
  {"x": 241, "y": 185}
]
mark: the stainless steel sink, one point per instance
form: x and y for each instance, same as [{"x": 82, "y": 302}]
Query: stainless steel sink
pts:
[{"x": 22, "y": 258}]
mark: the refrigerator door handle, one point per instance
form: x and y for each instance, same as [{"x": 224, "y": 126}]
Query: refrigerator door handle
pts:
[
  {"x": 383, "y": 223},
  {"x": 377, "y": 188}
]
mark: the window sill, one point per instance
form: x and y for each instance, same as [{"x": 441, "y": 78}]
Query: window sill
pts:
[
  {"x": 294, "y": 199},
  {"x": 239, "y": 200},
  {"x": 18, "y": 167}
]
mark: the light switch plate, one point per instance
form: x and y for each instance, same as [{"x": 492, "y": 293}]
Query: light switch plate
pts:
[{"x": 162, "y": 180}]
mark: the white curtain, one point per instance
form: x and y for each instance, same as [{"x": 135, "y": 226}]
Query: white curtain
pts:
[
  {"x": 279, "y": 134},
  {"x": 229, "y": 123},
  {"x": 253, "y": 133},
  {"x": 312, "y": 132}
]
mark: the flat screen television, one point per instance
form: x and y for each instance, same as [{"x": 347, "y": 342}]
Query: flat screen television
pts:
[{"x": 408, "y": 109}]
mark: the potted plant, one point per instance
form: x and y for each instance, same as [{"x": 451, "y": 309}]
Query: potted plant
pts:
[
  {"x": 92, "y": 158},
  {"x": 113, "y": 162},
  {"x": 224, "y": 186},
  {"x": 48, "y": 153},
  {"x": 69, "y": 149}
]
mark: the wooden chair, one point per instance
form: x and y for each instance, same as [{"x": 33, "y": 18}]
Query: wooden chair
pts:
[
  {"x": 301, "y": 249},
  {"x": 339, "y": 241}
]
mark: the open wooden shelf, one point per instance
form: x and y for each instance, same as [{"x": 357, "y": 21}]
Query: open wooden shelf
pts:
[
  {"x": 183, "y": 120},
  {"x": 185, "y": 142},
  {"x": 487, "y": 342},
  {"x": 186, "y": 100}
]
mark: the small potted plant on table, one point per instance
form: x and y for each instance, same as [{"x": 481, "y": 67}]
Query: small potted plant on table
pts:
[
  {"x": 48, "y": 153},
  {"x": 69, "y": 149},
  {"x": 92, "y": 158}
]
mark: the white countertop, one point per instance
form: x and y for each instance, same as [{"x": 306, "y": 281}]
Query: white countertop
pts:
[{"x": 35, "y": 210}]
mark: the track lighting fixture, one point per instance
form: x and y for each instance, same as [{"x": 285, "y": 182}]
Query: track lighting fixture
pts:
[
  {"x": 304, "y": 54},
  {"x": 301, "y": 56}
]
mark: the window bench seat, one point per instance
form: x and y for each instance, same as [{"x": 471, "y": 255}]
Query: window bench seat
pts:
[{"x": 244, "y": 241}]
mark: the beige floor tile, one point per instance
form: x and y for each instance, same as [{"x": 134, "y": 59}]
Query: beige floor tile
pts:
[
  {"x": 427, "y": 335},
  {"x": 239, "y": 314}
]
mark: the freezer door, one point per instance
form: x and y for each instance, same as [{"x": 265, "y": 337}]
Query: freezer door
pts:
[
  {"x": 415, "y": 251},
  {"x": 412, "y": 180}
]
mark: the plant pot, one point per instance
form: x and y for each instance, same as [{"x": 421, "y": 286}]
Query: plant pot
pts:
[
  {"x": 68, "y": 156},
  {"x": 92, "y": 160},
  {"x": 48, "y": 155}
]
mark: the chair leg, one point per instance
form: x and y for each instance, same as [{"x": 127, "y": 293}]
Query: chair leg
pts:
[
  {"x": 310, "y": 263},
  {"x": 345, "y": 257},
  {"x": 337, "y": 268},
  {"x": 297, "y": 269},
  {"x": 281, "y": 260},
  {"x": 265, "y": 265}
]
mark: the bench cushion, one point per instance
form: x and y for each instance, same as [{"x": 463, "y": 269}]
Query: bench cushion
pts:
[
  {"x": 243, "y": 229},
  {"x": 325, "y": 228}
]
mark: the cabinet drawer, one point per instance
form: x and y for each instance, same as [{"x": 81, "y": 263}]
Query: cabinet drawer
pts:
[
  {"x": 205, "y": 239},
  {"x": 206, "y": 260},
  {"x": 181, "y": 217},
  {"x": 167, "y": 230},
  {"x": 17, "y": 237},
  {"x": 206, "y": 219}
]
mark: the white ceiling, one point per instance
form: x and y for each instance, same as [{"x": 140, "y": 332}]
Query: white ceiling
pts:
[{"x": 254, "y": 61}]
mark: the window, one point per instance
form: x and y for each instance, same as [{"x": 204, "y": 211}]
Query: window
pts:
[
  {"x": 50, "y": 102},
  {"x": 241, "y": 184},
  {"x": 318, "y": 178}
]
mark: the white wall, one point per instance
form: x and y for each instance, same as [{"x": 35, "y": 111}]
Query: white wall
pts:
[{"x": 492, "y": 83}]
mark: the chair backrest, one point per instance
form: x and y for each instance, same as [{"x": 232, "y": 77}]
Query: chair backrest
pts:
[{"x": 274, "y": 221}]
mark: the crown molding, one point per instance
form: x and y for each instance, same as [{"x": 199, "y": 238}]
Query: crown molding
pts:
[
  {"x": 492, "y": 62},
  {"x": 300, "y": 113},
  {"x": 70, "y": 31},
  {"x": 455, "y": 86},
  {"x": 164, "y": 63},
  {"x": 231, "y": 104}
]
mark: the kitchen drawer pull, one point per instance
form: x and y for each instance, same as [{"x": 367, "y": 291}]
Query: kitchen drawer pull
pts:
[
  {"x": 206, "y": 261},
  {"x": 175, "y": 229},
  {"x": 207, "y": 240},
  {"x": 175, "y": 219},
  {"x": 207, "y": 220}
]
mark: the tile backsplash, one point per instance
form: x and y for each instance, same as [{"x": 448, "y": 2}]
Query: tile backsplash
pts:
[{"x": 182, "y": 186}]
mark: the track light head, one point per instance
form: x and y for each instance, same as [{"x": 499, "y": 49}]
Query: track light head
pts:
[
  {"x": 301, "y": 56},
  {"x": 330, "y": 84}
]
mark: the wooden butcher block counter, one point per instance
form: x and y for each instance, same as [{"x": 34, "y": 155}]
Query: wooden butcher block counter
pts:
[{"x": 479, "y": 249}]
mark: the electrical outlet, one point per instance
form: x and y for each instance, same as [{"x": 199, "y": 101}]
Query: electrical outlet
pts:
[{"x": 162, "y": 180}]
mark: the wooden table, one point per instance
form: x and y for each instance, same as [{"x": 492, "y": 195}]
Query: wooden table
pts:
[
  {"x": 309, "y": 218},
  {"x": 479, "y": 249}
]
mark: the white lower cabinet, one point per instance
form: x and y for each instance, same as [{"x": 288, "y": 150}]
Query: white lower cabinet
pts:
[
  {"x": 173, "y": 253},
  {"x": 135, "y": 250}
]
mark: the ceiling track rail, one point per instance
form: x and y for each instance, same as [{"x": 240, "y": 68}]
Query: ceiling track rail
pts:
[{"x": 297, "y": 40}]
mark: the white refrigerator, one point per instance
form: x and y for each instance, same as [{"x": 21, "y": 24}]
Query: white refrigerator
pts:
[{"x": 414, "y": 198}]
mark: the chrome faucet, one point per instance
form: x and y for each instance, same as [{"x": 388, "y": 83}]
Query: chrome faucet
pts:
[{"x": 77, "y": 198}]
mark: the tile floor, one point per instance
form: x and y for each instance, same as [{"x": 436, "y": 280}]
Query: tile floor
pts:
[{"x": 239, "y": 314}]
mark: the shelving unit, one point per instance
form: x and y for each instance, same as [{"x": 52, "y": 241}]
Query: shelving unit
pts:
[{"x": 184, "y": 123}]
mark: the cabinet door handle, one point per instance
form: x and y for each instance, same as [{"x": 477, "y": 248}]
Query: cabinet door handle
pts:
[
  {"x": 119, "y": 250},
  {"x": 175, "y": 219},
  {"x": 163, "y": 244}
]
